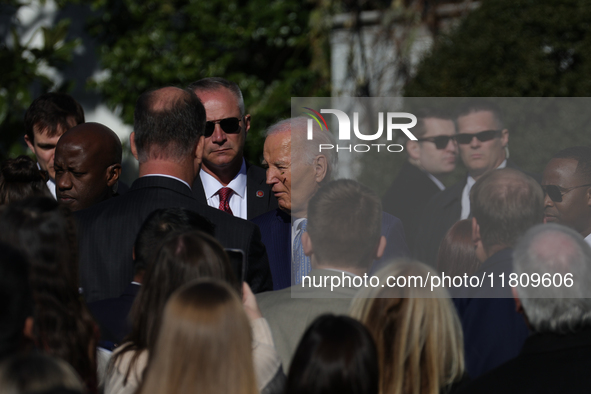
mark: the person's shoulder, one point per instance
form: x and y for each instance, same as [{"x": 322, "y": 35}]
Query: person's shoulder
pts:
[
  {"x": 447, "y": 196},
  {"x": 276, "y": 215}
]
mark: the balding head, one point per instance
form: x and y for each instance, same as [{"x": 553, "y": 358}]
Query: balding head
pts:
[
  {"x": 505, "y": 204},
  {"x": 88, "y": 165},
  {"x": 168, "y": 123},
  {"x": 554, "y": 252}
]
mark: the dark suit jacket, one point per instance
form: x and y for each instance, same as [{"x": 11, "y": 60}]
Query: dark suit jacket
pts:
[
  {"x": 493, "y": 330},
  {"x": 407, "y": 197},
  {"x": 112, "y": 315},
  {"x": 548, "y": 363},
  {"x": 440, "y": 214},
  {"x": 255, "y": 183},
  {"x": 107, "y": 232},
  {"x": 276, "y": 235}
]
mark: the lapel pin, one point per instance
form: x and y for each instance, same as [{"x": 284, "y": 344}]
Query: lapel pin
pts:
[{"x": 260, "y": 193}]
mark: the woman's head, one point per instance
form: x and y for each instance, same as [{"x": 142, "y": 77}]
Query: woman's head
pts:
[
  {"x": 204, "y": 341},
  {"x": 417, "y": 332},
  {"x": 336, "y": 355},
  {"x": 20, "y": 178},
  {"x": 38, "y": 373},
  {"x": 457, "y": 252},
  {"x": 45, "y": 233},
  {"x": 182, "y": 258}
]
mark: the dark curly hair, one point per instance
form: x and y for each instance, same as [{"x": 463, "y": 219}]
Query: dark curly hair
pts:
[
  {"x": 45, "y": 232},
  {"x": 21, "y": 178}
]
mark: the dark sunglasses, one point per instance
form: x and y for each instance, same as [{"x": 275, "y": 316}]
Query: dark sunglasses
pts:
[
  {"x": 486, "y": 135},
  {"x": 556, "y": 192},
  {"x": 440, "y": 141},
  {"x": 228, "y": 125}
]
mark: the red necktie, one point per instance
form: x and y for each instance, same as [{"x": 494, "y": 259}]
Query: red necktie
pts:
[{"x": 225, "y": 193}]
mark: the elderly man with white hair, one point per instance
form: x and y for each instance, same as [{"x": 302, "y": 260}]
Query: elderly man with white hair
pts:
[
  {"x": 556, "y": 303},
  {"x": 295, "y": 170}
]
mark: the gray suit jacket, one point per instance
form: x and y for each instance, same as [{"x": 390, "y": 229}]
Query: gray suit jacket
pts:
[{"x": 290, "y": 317}]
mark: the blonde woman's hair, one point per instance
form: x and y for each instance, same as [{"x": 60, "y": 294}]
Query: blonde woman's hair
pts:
[
  {"x": 417, "y": 332},
  {"x": 204, "y": 344}
]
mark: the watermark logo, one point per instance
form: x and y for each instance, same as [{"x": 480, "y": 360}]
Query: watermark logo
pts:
[{"x": 344, "y": 132}]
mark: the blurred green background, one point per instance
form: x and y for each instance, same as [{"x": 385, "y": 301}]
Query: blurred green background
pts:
[{"x": 278, "y": 49}]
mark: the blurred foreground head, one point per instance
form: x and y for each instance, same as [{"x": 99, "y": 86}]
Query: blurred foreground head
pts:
[
  {"x": 205, "y": 341},
  {"x": 417, "y": 332}
]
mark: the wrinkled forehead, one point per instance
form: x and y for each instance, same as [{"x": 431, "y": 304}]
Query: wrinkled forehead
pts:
[
  {"x": 561, "y": 172},
  {"x": 475, "y": 122}
]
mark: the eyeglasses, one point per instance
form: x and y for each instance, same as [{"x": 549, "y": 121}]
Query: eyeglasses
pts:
[
  {"x": 486, "y": 135},
  {"x": 228, "y": 125},
  {"x": 440, "y": 141},
  {"x": 556, "y": 192}
]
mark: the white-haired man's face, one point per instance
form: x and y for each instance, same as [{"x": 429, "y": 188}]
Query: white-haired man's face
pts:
[{"x": 293, "y": 184}]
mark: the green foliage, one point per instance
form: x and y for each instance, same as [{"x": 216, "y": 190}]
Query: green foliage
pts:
[
  {"x": 264, "y": 46},
  {"x": 512, "y": 48},
  {"x": 22, "y": 65},
  {"x": 519, "y": 48}
]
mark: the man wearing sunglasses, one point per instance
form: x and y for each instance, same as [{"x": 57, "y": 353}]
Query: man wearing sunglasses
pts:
[
  {"x": 482, "y": 142},
  {"x": 226, "y": 181},
  {"x": 430, "y": 158},
  {"x": 567, "y": 186}
]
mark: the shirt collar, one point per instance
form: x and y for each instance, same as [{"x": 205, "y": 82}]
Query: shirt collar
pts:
[
  {"x": 211, "y": 185},
  {"x": 171, "y": 177}
]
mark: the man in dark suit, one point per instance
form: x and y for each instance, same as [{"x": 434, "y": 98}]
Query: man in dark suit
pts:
[
  {"x": 343, "y": 238},
  {"x": 556, "y": 357},
  {"x": 430, "y": 158},
  {"x": 294, "y": 183},
  {"x": 505, "y": 204},
  {"x": 112, "y": 314},
  {"x": 482, "y": 141},
  {"x": 224, "y": 166},
  {"x": 168, "y": 143}
]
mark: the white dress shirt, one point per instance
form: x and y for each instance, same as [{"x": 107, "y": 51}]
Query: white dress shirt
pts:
[
  {"x": 237, "y": 202},
  {"x": 588, "y": 239}
]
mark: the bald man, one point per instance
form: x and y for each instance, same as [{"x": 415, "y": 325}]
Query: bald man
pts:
[
  {"x": 87, "y": 165},
  {"x": 168, "y": 142}
]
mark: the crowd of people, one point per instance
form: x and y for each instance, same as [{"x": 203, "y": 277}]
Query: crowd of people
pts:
[{"x": 209, "y": 274}]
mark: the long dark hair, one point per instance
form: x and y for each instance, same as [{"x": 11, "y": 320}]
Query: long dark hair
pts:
[
  {"x": 183, "y": 257},
  {"x": 44, "y": 231},
  {"x": 337, "y": 354}
]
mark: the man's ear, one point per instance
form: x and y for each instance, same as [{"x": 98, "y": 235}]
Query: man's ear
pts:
[
  {"x": 28, "y": 328},
  {"x": 199, "y": 151},
  {"x": 518, "y": 306},
  {"x": 132, "y": 145},
  {"x": 307, "y": 244},
  {"x": 113, "y": 174},
  {"x": 320, "y": 168},
  {"x": 413, "y": 149},
  {"x": 246, "y": 123},
  {"x": 29, "y": 143},
  {"x": 504, "y": 137},
  {"x": 475, "y": 232},
  {"x": 381, "y": 247}
]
